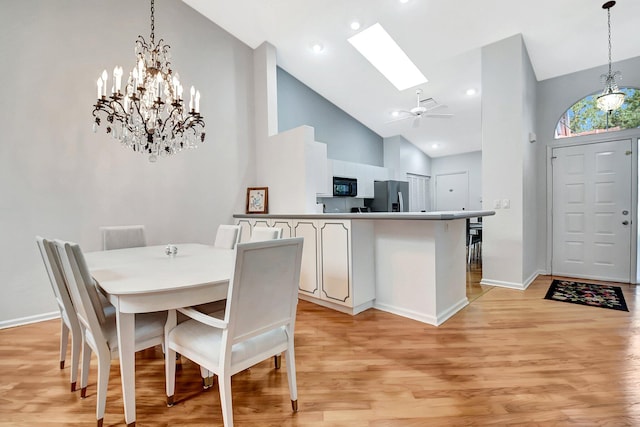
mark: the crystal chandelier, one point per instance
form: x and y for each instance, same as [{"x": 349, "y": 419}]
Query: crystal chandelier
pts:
[
  {"x": 150, "y": 116},
  {"x": 611, "y": 98}
]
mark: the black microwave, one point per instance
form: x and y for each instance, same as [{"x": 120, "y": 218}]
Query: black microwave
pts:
[{"x": 345, "y": 186}]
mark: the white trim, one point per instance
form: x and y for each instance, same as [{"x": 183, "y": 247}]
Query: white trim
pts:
[
  {"x": 421, "y": 317},
  {"x": 11, "y": 323},
  {"x": 501, "y": 284}
]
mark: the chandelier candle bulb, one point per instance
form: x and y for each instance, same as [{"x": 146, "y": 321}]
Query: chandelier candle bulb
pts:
[
  {"x": 99, "y": 82},
  {"x": 197, "y": 101},
  {"x": 104, "y": 82},
  {"x": 117, "y": 76}
]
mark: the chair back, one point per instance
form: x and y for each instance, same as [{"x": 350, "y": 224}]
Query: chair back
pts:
[
  {"x": 82, "y": 289},
  {"x": 260, "y": 234},
  {"x": 263, "y": 291},
  {"x": 124, "y": 236},
  {"x": 227, "y": 236},
  {"x": 57, "y": 280}
]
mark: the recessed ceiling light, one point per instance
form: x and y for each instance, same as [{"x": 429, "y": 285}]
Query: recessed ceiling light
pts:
[
  {"x": 317, "y": 47},
  {"x": 355, "y": 25},
  {"x": 471, "y": 92},
  {"x": 377, "y": 46},
  {"x": 404, "y": 1},
  {"x": 395, "y": 113},
  {"x": 434, "y": 145}
]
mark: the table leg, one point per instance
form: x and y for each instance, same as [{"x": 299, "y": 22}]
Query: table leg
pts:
[{"x": 126, "y": 349}]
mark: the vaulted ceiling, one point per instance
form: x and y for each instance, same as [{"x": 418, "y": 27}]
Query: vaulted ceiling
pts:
[{"x": 443, "y": 38}]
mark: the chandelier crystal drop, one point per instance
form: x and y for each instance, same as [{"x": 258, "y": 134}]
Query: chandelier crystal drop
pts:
[
  {"x": 148, "y": 115},
  {"x": 611, "y": 98}
]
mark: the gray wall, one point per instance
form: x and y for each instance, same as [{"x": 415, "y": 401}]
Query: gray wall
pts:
[
  {"x": 554, "y": 97},
  {"x": 60, "y": 180},
  {"x": 346, "y": 138}
]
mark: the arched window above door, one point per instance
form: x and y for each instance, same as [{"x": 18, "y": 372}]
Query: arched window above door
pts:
[{"x": 584, "y": 117}]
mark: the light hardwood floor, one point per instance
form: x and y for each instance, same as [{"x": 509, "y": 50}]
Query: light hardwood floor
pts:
[{"x": 509, "y": 358}]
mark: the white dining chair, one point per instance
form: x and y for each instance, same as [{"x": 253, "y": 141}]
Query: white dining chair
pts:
[
  {"x": 99, "y": 332},
  {"x": 227, "y": 236},
  {"x": 123, "y": 236},
  {"x": 68, "y": 318},
  {"x": 258, "y": 321},
  {"x": 260, "y": 234}
]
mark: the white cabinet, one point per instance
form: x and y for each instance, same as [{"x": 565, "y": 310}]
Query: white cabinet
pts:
[
  {"x": 247, "y": 224},
  {"x": 365, "y": 174},
  {"x": 337, "y": 259},
  {"x": 337, "y": 265},
  {"x": 309, "y": 273}
]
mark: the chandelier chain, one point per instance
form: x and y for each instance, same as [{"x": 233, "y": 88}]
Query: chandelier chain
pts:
[
  {"x": 609, "y": 26},
  {"x": 153, "y": 26}
]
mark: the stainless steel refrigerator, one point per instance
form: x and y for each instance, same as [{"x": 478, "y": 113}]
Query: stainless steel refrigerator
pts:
[{"x": 390, "y": 196}]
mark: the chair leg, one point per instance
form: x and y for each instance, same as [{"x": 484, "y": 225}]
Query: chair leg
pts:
[
  {"x": 207, "y": 378},
  {"x": 170, "y": 374},
  {"x": 64, "y": 339},
  {"x": 291, "y": 377},
  {"x": 224, "y": 385},
  {"x": 86, "y": 361},
  {"x": 76, "y": 348},
  {"x": 277, "y": 360},
  {"x": 104, "y": 366}
]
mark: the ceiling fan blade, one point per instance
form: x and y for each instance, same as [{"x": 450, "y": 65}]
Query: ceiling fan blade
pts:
[
  {"x": 436, "y": 107},
  {"x": 438, "y": 116}
]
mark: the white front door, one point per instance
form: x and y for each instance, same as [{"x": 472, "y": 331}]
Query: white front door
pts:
[
  {"x": 592, "y": 211},
  {"x": 452, "y": 191}
]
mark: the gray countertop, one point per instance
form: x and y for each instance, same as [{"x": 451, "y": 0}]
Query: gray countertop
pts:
[{"x": 443, "y": 215}]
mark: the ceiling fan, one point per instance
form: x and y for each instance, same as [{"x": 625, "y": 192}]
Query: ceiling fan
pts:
[{"x": 423, "y": 108}]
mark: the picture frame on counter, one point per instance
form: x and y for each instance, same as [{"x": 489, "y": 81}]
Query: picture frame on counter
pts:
[{"x": 257, "y": 200}]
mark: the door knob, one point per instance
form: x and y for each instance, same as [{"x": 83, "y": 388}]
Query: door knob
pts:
[
  {"x": 625, "y": 212},
  {"x": 625, "y": 222}
]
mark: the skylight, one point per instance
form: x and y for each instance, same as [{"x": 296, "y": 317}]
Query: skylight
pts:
[{"x": 377, "y": 46}]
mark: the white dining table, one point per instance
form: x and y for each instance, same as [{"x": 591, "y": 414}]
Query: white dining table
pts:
[{"x": 146, "y": 279}]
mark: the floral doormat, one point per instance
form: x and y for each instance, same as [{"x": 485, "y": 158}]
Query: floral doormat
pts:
[{"x": 587, "y": 294}]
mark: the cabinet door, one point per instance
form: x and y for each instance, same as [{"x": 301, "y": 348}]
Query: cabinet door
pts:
[
  {"x": 308, "y": 230},
  {"x": 335, "y": 252},
  {"x": 285, "y": 224}
]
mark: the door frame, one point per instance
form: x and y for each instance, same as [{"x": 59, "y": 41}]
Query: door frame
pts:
[{"x": 596, "y": 139}]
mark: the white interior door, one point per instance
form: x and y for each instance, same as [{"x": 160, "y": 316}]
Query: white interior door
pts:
[
  {"x": 419, "y": 198},
  {"x": 452, "y": 191},
  {"x": 592, "y": 211}
]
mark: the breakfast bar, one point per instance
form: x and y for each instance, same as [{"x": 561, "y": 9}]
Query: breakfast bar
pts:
[{"x": 408, "y": 263}]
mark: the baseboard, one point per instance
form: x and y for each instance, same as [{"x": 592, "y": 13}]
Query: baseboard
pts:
[
  {"x": 448, "y": 313},
  {"x": 501, "y": 284},
  {"x": 513, "y": 285},
  {"x": 533, "y": 277},
  {"x": 12, "y": 323},
  {"x": 420, "y": 317},
  {"x": 341, "y": 308}
]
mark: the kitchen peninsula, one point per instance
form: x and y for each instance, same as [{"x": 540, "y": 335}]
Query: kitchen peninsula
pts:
[{"x": 408, "y": 263}]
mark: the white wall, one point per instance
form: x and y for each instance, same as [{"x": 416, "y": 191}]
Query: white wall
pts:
[
  {"x": 60, "y": 180},
  {"x": 403, "y": 157},
  {"x": 468, "y": 162},
  {"x": 503, "y": 121}
]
